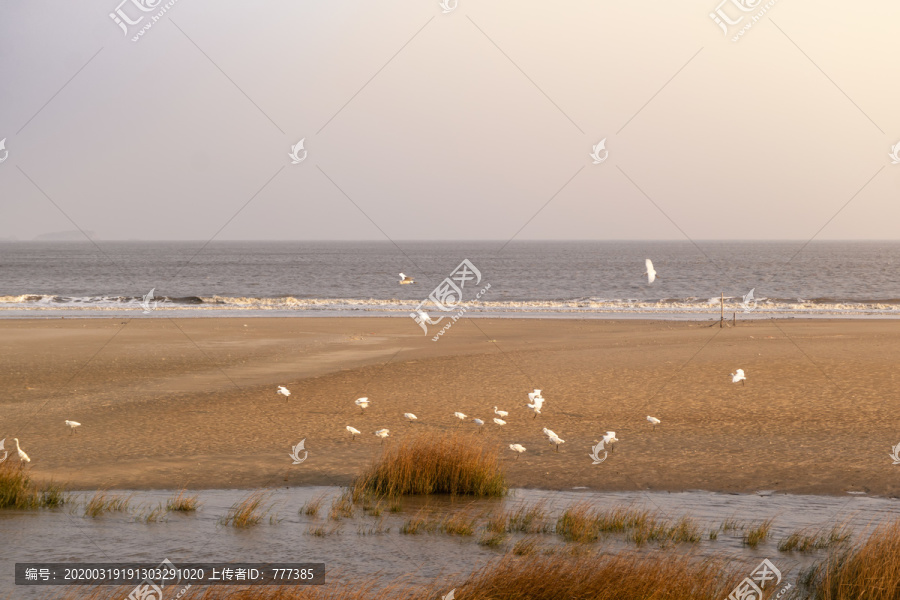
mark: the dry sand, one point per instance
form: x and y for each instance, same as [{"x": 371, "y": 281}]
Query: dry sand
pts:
[{"x": 191, "y": 402}]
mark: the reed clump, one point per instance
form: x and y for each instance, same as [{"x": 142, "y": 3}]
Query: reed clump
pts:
[
  {"x": 103, "y": 502},
  {"x": 757, "y": 534},
  {"x": 181, "y": 502},
  {"x": 453, "y": 464},
  {"x": 805, "y": 541},
  {"x": 312, "y": 506},
  {"x": 247, "y": 512},
  {"x": 18, "y": 491}
]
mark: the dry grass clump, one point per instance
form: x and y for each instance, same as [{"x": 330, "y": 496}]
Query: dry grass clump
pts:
[
  {"x": 450, "y": 464},
  {"x": 525, "y": 546},
  {"x": 183, "y": 503},
  {"x": 757, "y": 534},
  {"x": 341, "y": 507},
  {"x": 246, "y": 512},
  {"x": 869, "y": 570},
  {"x": 103, "y": 502},
  {"x": 17, "y": 490},
  {"x": 312, "y": 506},
  {"x": 803, "y": 541}
]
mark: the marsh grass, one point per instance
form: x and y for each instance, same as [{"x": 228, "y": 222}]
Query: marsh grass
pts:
[
  {"x": 180, "y": 502},
  {"x": 17, "y": 490},
  {"x": 154, "y": 515},
  {"x": 492, "y": 539},
  {"x": 103, "y": 502},
  {"x": 453, "y": 464},
  {"x": 247, "y": 512},
  {"x": 581, "y": 523},
  {"x": 806, "y": 541},
  {"x": 323, "y": 530},
  {"x": 525, "y": 546},
  {"x": 757, "y": 534},
  {"x": 459, "y": 523},
  {"x": 312, "y": 506},
  {"x": 341, "y": 507}
]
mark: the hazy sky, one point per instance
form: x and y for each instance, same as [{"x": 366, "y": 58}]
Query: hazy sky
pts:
[{"x": 450, "y": 126}]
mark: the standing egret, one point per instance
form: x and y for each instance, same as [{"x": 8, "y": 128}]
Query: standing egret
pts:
[
  {"x": 383, "y": 433},
  {"x": 535, "y": 394},
  {"x": 554, "y": 439},
  {"x": 73, "y": 425},
  {"x": 650, "y": 272},
  {"x": 610, "y": 439},
  {"x": 549, "y": 432},
  {"x": 410, "y": 417},
  {"x": 362, "y": 403},
  {"x": 22, "y": 456},
  {"x": 501, "y": 413},
  {"x": 353, "y": 432},
  {"x": 536, "y": 403},
  {"x": 478, "y": 422},
  {"x": 653, "y": 421},
  {"x": 460, "y": 416},
  {"x": 283, "y": 391},
  {"x": 738, "y": 376},
  {"x": 499, "y": 421},
  {"x": 518, "y": 449},
  {"x": 405, "y": 279}
]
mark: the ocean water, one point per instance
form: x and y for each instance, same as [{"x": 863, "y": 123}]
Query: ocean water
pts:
[{"x": 581, "y": 279}]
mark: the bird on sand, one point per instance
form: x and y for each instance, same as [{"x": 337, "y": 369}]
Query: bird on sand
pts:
[
  {"x": 518, "y": 449},
  {"x": 460, "y": 416},
  {"x": 610, "y": 439},
  {"x": 405, "y": 279},
  {"x": 73, "y": 425},
  {"x": 383, "y": 433},
  {"x": 536, "y": 404},
  {"x": 283, "y": 391},
  {"x": 653, "y": 421},
  {"x": 738, "y": 375},
  {"x": 353, "y": 432},
  {"x": 362, "y": 403},
  {"x": 22, "y": 456},
  {"x": 478, "y": 422},
  {"x": 501, "y": 413},
  {"x": 555, "y": 439},
  {"x": 499, "y": 421},
  {"x": 548, "y": 432},
  {"x": 410, "y": 417},
  {"x": 650, "y": 272}
]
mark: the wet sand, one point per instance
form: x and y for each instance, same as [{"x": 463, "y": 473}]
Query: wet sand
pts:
[{"x": 191, "y": 402}]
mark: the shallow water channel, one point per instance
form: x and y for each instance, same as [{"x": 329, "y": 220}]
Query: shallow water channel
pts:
[{"x": 365, "y": 544}]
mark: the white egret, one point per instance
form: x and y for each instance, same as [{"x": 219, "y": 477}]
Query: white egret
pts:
[
  {"x": 501, "y": 413},
  {"x": 383, "y": 433},
  {"x": 738, "y": 375},
  {"x": 555, "y": 439},
  {"x": 536, "y": 404},
  {"x": 283, "y": 391},
  {"x": 460, "y": 416},
  {"x": 650, "y": 272},
  {"x": 362, "y": 403},
  {"x": 22, "y": 456},
  {"x": 518, "y": 449},
  {"x": 73, "y": 425},
  {"x": 549, "y": 432},
  {"x": 405, "y": 279},
  {"x": 535, "y": 394},
  {"x": 653, "y": 421},
  {"x": 610, "y": 439},
  {"x": 478, "y": 422},
  {"x": 410, "y": 417},
  {"x": 499, "y": 421},
  {"x": 353, "y": 432}
]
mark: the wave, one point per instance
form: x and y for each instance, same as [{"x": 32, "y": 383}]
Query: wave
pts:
[{"x": 813, "y": 306}]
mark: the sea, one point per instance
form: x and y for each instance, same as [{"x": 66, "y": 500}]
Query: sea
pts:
[{"x": 574, "y": 279}]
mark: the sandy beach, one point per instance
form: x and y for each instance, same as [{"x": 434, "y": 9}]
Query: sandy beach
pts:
[{"x": 167, "y": 403}]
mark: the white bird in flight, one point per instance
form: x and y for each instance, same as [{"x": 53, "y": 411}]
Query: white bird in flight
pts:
[
  {"x": 22, "y": 456},
  {"x": 653, "y": 421},
  {"x": 362, "y": 403},
  {"x": 555, "y": 439},
  {"x": 738, "y": 375},
  {"x": 405, "y": 279},
  {"x": 518, "y": 449},
  {"x": 283, "y": 391},
  {"x": 383, "y": 433},
  {"x": 500, "y": 413},
  {"x": 499, "y": 421},
  {"x": 650, "y": 272},
  {"x": 353, "y": 432},
  {"x": 460, "y": 416},
  {"x": 73, "y": 425}
]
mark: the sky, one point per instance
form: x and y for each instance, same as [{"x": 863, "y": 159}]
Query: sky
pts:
[{"x": 476, "y": 123}]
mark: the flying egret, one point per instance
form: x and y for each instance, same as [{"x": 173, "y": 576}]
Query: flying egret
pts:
[
  {"x": 22, "y": 456},
  {"x": 460, "y": 416},
  {"x": 610, "y": 440},
  {"x": 518, "y": 449},
  {"x": 353, "y": 432},
  {"x": 499, "y": 421},
  {"x": 405, "y": 279},
  {"x": 283, "y": 391},
  {"x": 738, "y": 375},
  {"x": 501, "y": 413},
  {"x": 555, "y": 439},
  {"x": 650, "y": 272},
  {"x": 536, "y": 403},
  {"x": 410, "y": 417},
  {"x": 383, "y": 433},
  {"x": 362, "y": 403},
  {"x": 653, "y": 421},
  {"x": 72, "y": 425}
]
